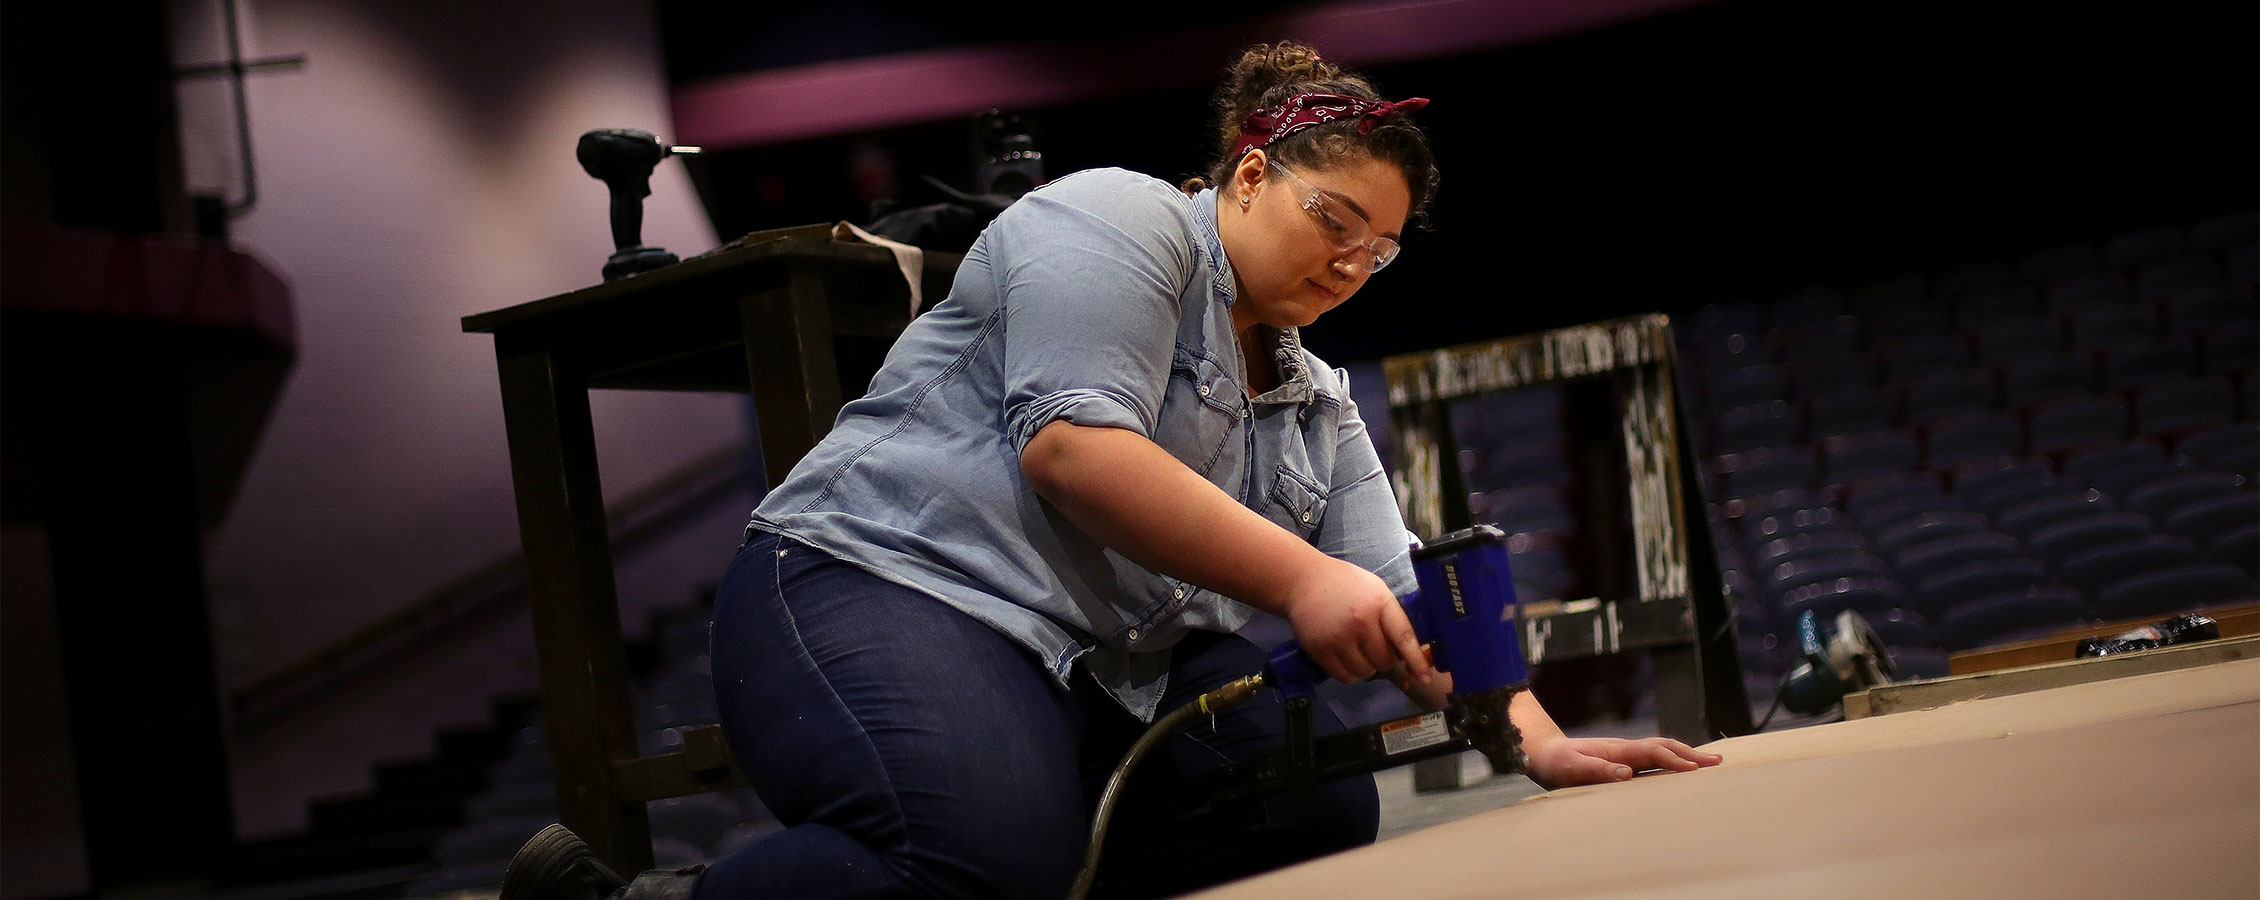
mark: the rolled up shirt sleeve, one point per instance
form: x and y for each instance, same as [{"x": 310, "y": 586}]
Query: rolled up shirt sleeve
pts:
[
  {"x": 1363, "y": 524},
  {"x": 1091, "y": 280}
]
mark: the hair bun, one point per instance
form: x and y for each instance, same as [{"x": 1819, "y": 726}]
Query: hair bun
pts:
[{"x": 1267, "y": 68}]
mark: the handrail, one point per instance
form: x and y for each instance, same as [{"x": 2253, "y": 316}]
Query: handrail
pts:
[{"x": 490, "y": 589}]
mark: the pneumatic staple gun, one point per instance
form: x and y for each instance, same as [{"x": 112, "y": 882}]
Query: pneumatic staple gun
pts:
[{"x": 1464, "y": 611}]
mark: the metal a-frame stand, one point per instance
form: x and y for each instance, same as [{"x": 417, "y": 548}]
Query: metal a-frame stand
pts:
[{"x": 1675, "y": 607}]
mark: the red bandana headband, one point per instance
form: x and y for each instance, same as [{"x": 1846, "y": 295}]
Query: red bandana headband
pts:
[{"x": 1267, "y": 126}]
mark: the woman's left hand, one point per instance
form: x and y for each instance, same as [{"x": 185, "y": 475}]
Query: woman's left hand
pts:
[{"x": 1568, "y": 762}]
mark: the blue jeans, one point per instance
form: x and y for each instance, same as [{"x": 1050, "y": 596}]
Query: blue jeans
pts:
[{"x": 912, "y": 751}]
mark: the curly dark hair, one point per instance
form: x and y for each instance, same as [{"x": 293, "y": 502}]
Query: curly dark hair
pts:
[{"x": 1267, "y": 74}]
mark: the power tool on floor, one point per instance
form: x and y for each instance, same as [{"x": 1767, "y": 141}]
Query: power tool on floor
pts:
[
  {"x": 1850, "y": 660},
  {"x": 1464, "y": 613}
]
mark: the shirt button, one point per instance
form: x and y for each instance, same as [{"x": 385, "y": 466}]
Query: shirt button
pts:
[
  {"x": 1204, "y": 390},
  {"x": 1133, "y": 635},
  {"x": 1306, "y": 518},
  {"x": 1178, "y": 593}
]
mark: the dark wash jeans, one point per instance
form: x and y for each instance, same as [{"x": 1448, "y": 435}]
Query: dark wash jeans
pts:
[{"x": 913, "y": 751}]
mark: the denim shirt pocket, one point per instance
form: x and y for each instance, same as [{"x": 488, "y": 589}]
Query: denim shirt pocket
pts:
[
  {"x": 1297, "y": 502},
  {"x": 1171, "y": 598},
  {"x": 1197, "y": 411}
]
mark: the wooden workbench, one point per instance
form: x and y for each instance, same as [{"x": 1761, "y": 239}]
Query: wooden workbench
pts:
[
  {"x": 771, "y": 315},
  {"x": 2147, "y": 786}
]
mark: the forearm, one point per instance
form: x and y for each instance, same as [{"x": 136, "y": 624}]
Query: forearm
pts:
[
  {"x": 1531, "y": 719},
  {"x": 1132, "y": 496}
]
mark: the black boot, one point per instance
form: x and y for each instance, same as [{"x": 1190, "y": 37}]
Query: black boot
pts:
[{"x": 558, "y": 865}]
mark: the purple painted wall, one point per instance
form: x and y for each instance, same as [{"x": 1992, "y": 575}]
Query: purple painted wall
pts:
[
  {"x": 419, "y": 169},
  {"x": 780, "y": 105}
]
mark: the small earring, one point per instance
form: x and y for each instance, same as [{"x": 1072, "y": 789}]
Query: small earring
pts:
[{"x": 1244, "y": 200}]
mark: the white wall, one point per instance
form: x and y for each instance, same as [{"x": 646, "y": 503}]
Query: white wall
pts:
[{"x": 418, "y": 169}]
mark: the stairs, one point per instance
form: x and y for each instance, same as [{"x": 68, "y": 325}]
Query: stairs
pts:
[
  {"x": 375, "y": 845},
  {"x": 381, "y": 844}
]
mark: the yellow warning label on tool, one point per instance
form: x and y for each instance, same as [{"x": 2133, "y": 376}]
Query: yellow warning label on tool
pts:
[{"x": 1414, "y": 733}]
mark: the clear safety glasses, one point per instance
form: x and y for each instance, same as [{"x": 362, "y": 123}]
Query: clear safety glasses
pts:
[{"x": 1342, "y": 228}]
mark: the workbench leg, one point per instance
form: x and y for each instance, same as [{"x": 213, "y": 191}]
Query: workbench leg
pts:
[
  {"x": 576, "y": 612},
  {"x": 1726, "y": 701},
  {"x": 1676, "y": 675},
  {"x": 794, "y": 377}
]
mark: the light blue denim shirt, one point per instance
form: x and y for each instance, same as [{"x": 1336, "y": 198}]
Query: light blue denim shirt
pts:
[{"x": 1103, "y": 299}]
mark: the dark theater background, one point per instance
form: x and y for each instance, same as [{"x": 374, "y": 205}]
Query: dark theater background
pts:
[{"x": 266, "y": 626}]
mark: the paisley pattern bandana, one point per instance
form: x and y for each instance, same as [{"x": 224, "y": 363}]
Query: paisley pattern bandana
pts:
[{"x": 1268, "y": 126}]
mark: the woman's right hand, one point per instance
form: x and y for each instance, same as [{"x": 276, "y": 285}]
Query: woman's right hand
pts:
[{"x": 1347, "y": 619}]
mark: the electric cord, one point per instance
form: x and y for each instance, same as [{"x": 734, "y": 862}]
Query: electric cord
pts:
[
  {"x": 1776, "y": 707},
  {"x": 1207, "y": 704}
]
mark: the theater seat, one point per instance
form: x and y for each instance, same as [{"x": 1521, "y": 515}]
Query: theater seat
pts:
[
  {"x": 1972, "y": 437},
  {"x": 2142, "y": 359},
  {"x": 2096, "y": 568},
  {"x": 2206, "y": 519},
  {"x": 1819, "y": 370},
  {"x": 2035, "y": 379},
  {"x": 1940, "y": 554},
  {"x": 2028, "y": 516},
  {"x": 1991, "y": 489},
  {"x": 1911, "y": 663},
  {"x": 2160, "y": 497},
  {"x": 1929, "y": 526},
  {"x": 1900, "y": 627},
  {"x": 2177, "y": 590},
  {"x": 2060, "y": 542},
  {"x": 1822, "y": 569},
  {"x": 1869, "y": 454},
  {"x": 2166, "y": 407},
  {"x": 2114, "y": 469},
  {"x": 1913, "y": 357},
  {"x": 1944, "y": 591},
  {"x": 2234, "y": 447},
  {"x": 1849, "y": 409},
  {"x": 1873, "y": 596},
  {"x": 1744, "y": 385},
  {"x": 1812, "y": 543},
  {"x": 1878, "y": 502},
  {"x": 1752, "y": 426},
  {"x": 2095, "y": 326},
  {"x": 2069, "y": 423},
  {"x": 1948, "y": 393},
  {"x": 2088, "y": 290},
  {"x": 1771, "y": 469},
  {"x": 2010, "y": 338},
  {"x": 2206, "y": 308},
  {"x": 2239, "y": 547},
  {"x": 2035, "y": 612},
  {"x": 1787, "y": 522}
]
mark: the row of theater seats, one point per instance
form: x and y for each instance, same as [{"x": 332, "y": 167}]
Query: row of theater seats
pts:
[
  {"x": 1514, "y": 463},
  {"x": 1989, "y": 452}
]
